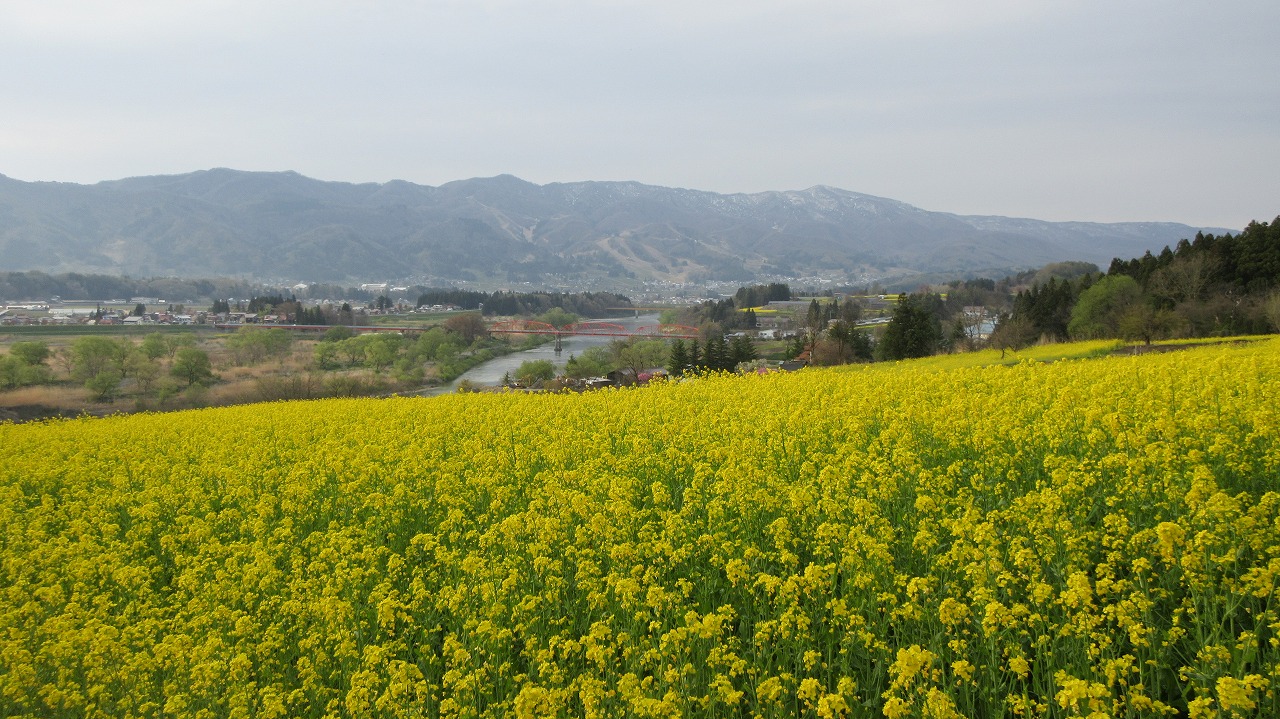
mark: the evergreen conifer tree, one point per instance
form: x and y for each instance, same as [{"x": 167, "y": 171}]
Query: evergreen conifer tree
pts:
[
  {"x": 742, "y": 349},
  {"x": 679, "y": 360}
]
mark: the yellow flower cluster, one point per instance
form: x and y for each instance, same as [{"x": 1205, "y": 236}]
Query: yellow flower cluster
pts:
[{"x": 1084, "y": 538}]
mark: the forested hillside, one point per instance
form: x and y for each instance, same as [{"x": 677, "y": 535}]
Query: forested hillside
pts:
[{"x": 1206, "y": 286}]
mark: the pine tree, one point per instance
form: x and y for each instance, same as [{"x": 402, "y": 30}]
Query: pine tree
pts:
[
  {"x": 716, "y": 355},
  {"x": 796, "y": 348},
  {"x": 741, "y": 350},
  {"x": 679, "y": 360},
  {"x": 913, "y": 331}
]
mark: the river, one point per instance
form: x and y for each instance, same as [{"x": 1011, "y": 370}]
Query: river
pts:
[{"x": 492, "y": 372}]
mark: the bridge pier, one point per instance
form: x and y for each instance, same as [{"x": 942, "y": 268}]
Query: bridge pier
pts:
[{"x": 559, "y": 346}]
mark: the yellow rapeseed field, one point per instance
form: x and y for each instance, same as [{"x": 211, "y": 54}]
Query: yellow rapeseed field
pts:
[{"x": 1092, "y": 538}]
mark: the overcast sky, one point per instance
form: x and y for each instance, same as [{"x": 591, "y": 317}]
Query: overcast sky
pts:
[{"x": 1080, "y": 110}]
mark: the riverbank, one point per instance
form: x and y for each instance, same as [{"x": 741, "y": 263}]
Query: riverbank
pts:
[
  {"x": 293, "y": 375},
  {"x": 491, "y": 373}
]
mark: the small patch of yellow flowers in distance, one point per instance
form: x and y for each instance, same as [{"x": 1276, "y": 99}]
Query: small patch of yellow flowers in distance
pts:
[{"x": 934, "y": 539}]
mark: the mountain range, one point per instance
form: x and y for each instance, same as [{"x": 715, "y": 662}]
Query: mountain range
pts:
[{"x": 282, "y": 225}]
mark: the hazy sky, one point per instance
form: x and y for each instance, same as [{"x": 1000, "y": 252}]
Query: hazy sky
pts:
[{"x": 1080, "y": 110}]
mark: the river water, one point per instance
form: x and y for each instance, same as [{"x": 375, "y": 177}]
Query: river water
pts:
[{"x": 492, "y": 372}]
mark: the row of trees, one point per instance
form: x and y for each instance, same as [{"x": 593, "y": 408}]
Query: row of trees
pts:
[
  {"x": 715, "y": 354},
  {"x": 832, "y": 332},
  {"x": 638, "y": 356},
  {"x": 641, "y": 355},
  {"x": 760, "y": 295},
  {"x": 730, "y": 314},
  {"x": 1209, "y": 286},
  {"x": 1245, "y": 263},
  {"x": 915, "y": 329},
  {"x": 292, "y": 307},
  {"x": 103, "y": 364},
  {"x": 1212, "y": 286},
  {"x": 724, "y": 315}
]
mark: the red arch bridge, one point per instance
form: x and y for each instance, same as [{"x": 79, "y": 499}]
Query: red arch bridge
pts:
[
  {"x": 596, "y": 329},
  {"x": 528, "y": 327},
  {"x": 591, "y": 328}
]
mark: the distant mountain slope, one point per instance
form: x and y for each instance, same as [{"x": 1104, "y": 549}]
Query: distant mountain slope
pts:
[{"x": 284, "y": 225}]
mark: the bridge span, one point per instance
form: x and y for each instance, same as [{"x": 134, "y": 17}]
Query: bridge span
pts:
[
  {"x": 513, "y": 326},
  {"x": 593, "y": 328}
]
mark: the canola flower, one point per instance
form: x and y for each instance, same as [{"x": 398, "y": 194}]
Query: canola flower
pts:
[{"x": 1093, "y": 538}]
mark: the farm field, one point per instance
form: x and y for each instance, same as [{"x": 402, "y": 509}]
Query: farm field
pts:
[{"x": 1088, "y": 538}]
